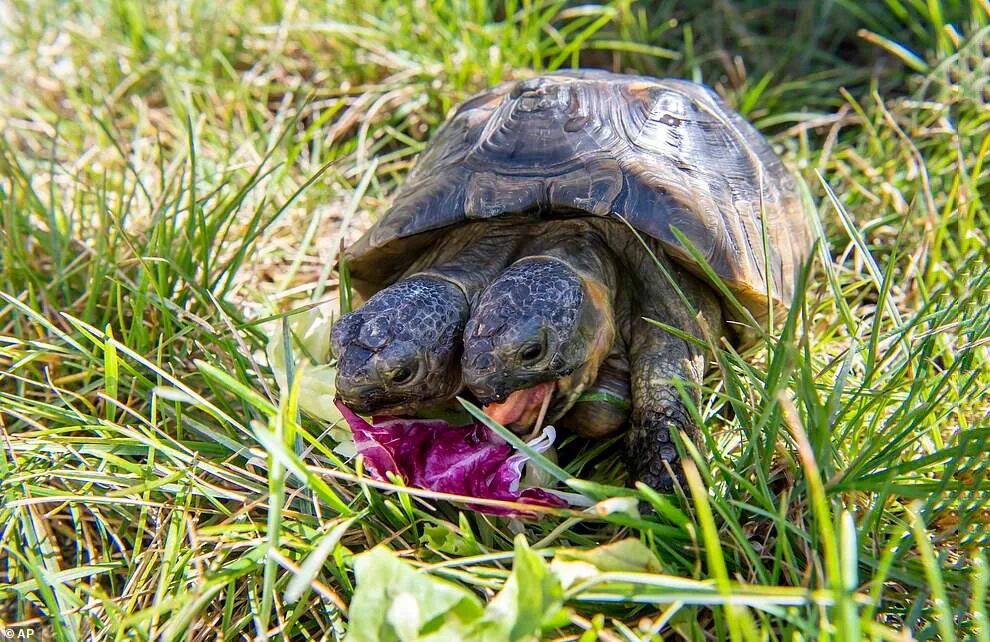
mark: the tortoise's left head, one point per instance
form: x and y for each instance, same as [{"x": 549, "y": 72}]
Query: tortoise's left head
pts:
[
  {"x": 540, "y": 329},
  {"x": 401, "y": 350}
]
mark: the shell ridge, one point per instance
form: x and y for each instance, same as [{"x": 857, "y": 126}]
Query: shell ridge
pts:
[{"x": 654, "y": 152}]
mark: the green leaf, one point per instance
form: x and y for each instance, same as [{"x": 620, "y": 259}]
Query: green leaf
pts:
[
  {"x": 625, "y": 556},
  {"x": 530, "y": 600},
  {"x": 310, "y": 349},
  {"x": 443, "y": 539},
  {"x": 607, "y": 397},
  {"x": 394, "y": 602}
]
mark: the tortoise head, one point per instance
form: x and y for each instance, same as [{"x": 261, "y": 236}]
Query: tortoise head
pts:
[
  {"x": 401, "y": 350},
  {"x": 539, "y": 329}
]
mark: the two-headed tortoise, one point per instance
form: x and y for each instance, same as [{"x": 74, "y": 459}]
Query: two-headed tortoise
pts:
[{"x": 534, "y": 243}]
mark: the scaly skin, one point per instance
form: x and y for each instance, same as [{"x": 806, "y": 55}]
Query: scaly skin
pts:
[
  {"x": 550, "y": 316},
  {"x": 402, "y": 346},
  {"x": 657, "y": 358},
  {"x": 401, "y": 350},
  {"x": 596, "y": 419},
  {"x": 563, "y": 295}
]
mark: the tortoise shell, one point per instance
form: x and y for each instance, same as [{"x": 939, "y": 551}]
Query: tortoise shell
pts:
[{"x": 660, "y": 153}]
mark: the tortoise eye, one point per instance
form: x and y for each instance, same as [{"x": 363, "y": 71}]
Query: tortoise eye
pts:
[
  {"x": 402, "y": 375},
  {"x": 531, "y": 353}
]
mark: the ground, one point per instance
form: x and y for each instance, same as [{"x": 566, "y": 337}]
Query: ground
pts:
[{"x": 175, "y": 178}]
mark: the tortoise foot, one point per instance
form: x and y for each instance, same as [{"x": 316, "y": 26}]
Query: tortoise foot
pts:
[{"x": 650, "y": 451}]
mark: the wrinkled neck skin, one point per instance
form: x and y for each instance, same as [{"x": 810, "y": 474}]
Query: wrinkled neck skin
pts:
[
  {"x": 582, "y": 246},
  {"x": 597, "y": 334},
  {"x": 471, "y": 256}
]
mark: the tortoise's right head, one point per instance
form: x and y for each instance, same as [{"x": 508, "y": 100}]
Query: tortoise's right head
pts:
[
  {"x": 539, "y": 329},
  {"x": 401, "y": 350}
]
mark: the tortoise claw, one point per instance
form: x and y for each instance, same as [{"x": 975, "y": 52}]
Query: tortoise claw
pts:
[{"x": 650, "y": 450}]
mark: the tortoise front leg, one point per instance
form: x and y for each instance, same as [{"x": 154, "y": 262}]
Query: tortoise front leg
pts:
[
  {"x": 657, "y": 358},
  {"x": 657, "y": 405}
]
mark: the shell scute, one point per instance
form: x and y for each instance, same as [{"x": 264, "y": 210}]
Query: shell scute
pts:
[{"x": 659, "y": 153}]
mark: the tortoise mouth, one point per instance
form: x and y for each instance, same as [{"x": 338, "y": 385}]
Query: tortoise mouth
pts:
[
  {"x": 368, "y": 400},
  {"x": 545, "y": 402},
  {"x": 522, "y": 408}
]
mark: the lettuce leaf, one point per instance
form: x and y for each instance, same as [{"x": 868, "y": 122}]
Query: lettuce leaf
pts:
[{"x": 464, "y": 460}]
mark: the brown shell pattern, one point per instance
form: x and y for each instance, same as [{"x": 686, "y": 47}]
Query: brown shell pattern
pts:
[{"x": 660, "y": 153}]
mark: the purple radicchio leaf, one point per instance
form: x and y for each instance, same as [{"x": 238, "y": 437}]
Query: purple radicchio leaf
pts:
[{"x": 434, "y": 455}]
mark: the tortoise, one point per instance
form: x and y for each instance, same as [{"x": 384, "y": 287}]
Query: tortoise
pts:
[{"x": 581, "y": 183}]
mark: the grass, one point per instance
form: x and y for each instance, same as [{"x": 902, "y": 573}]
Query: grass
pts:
[{"x": 175, "y": 178}]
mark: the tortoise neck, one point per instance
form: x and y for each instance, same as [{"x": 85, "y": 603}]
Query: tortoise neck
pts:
[
  {"x": 579, "y": 244},
  {"x": 472, "y": 258}
]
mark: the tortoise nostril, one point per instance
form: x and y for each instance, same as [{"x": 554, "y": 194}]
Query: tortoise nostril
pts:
[{"x": 485, "y": 362}]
